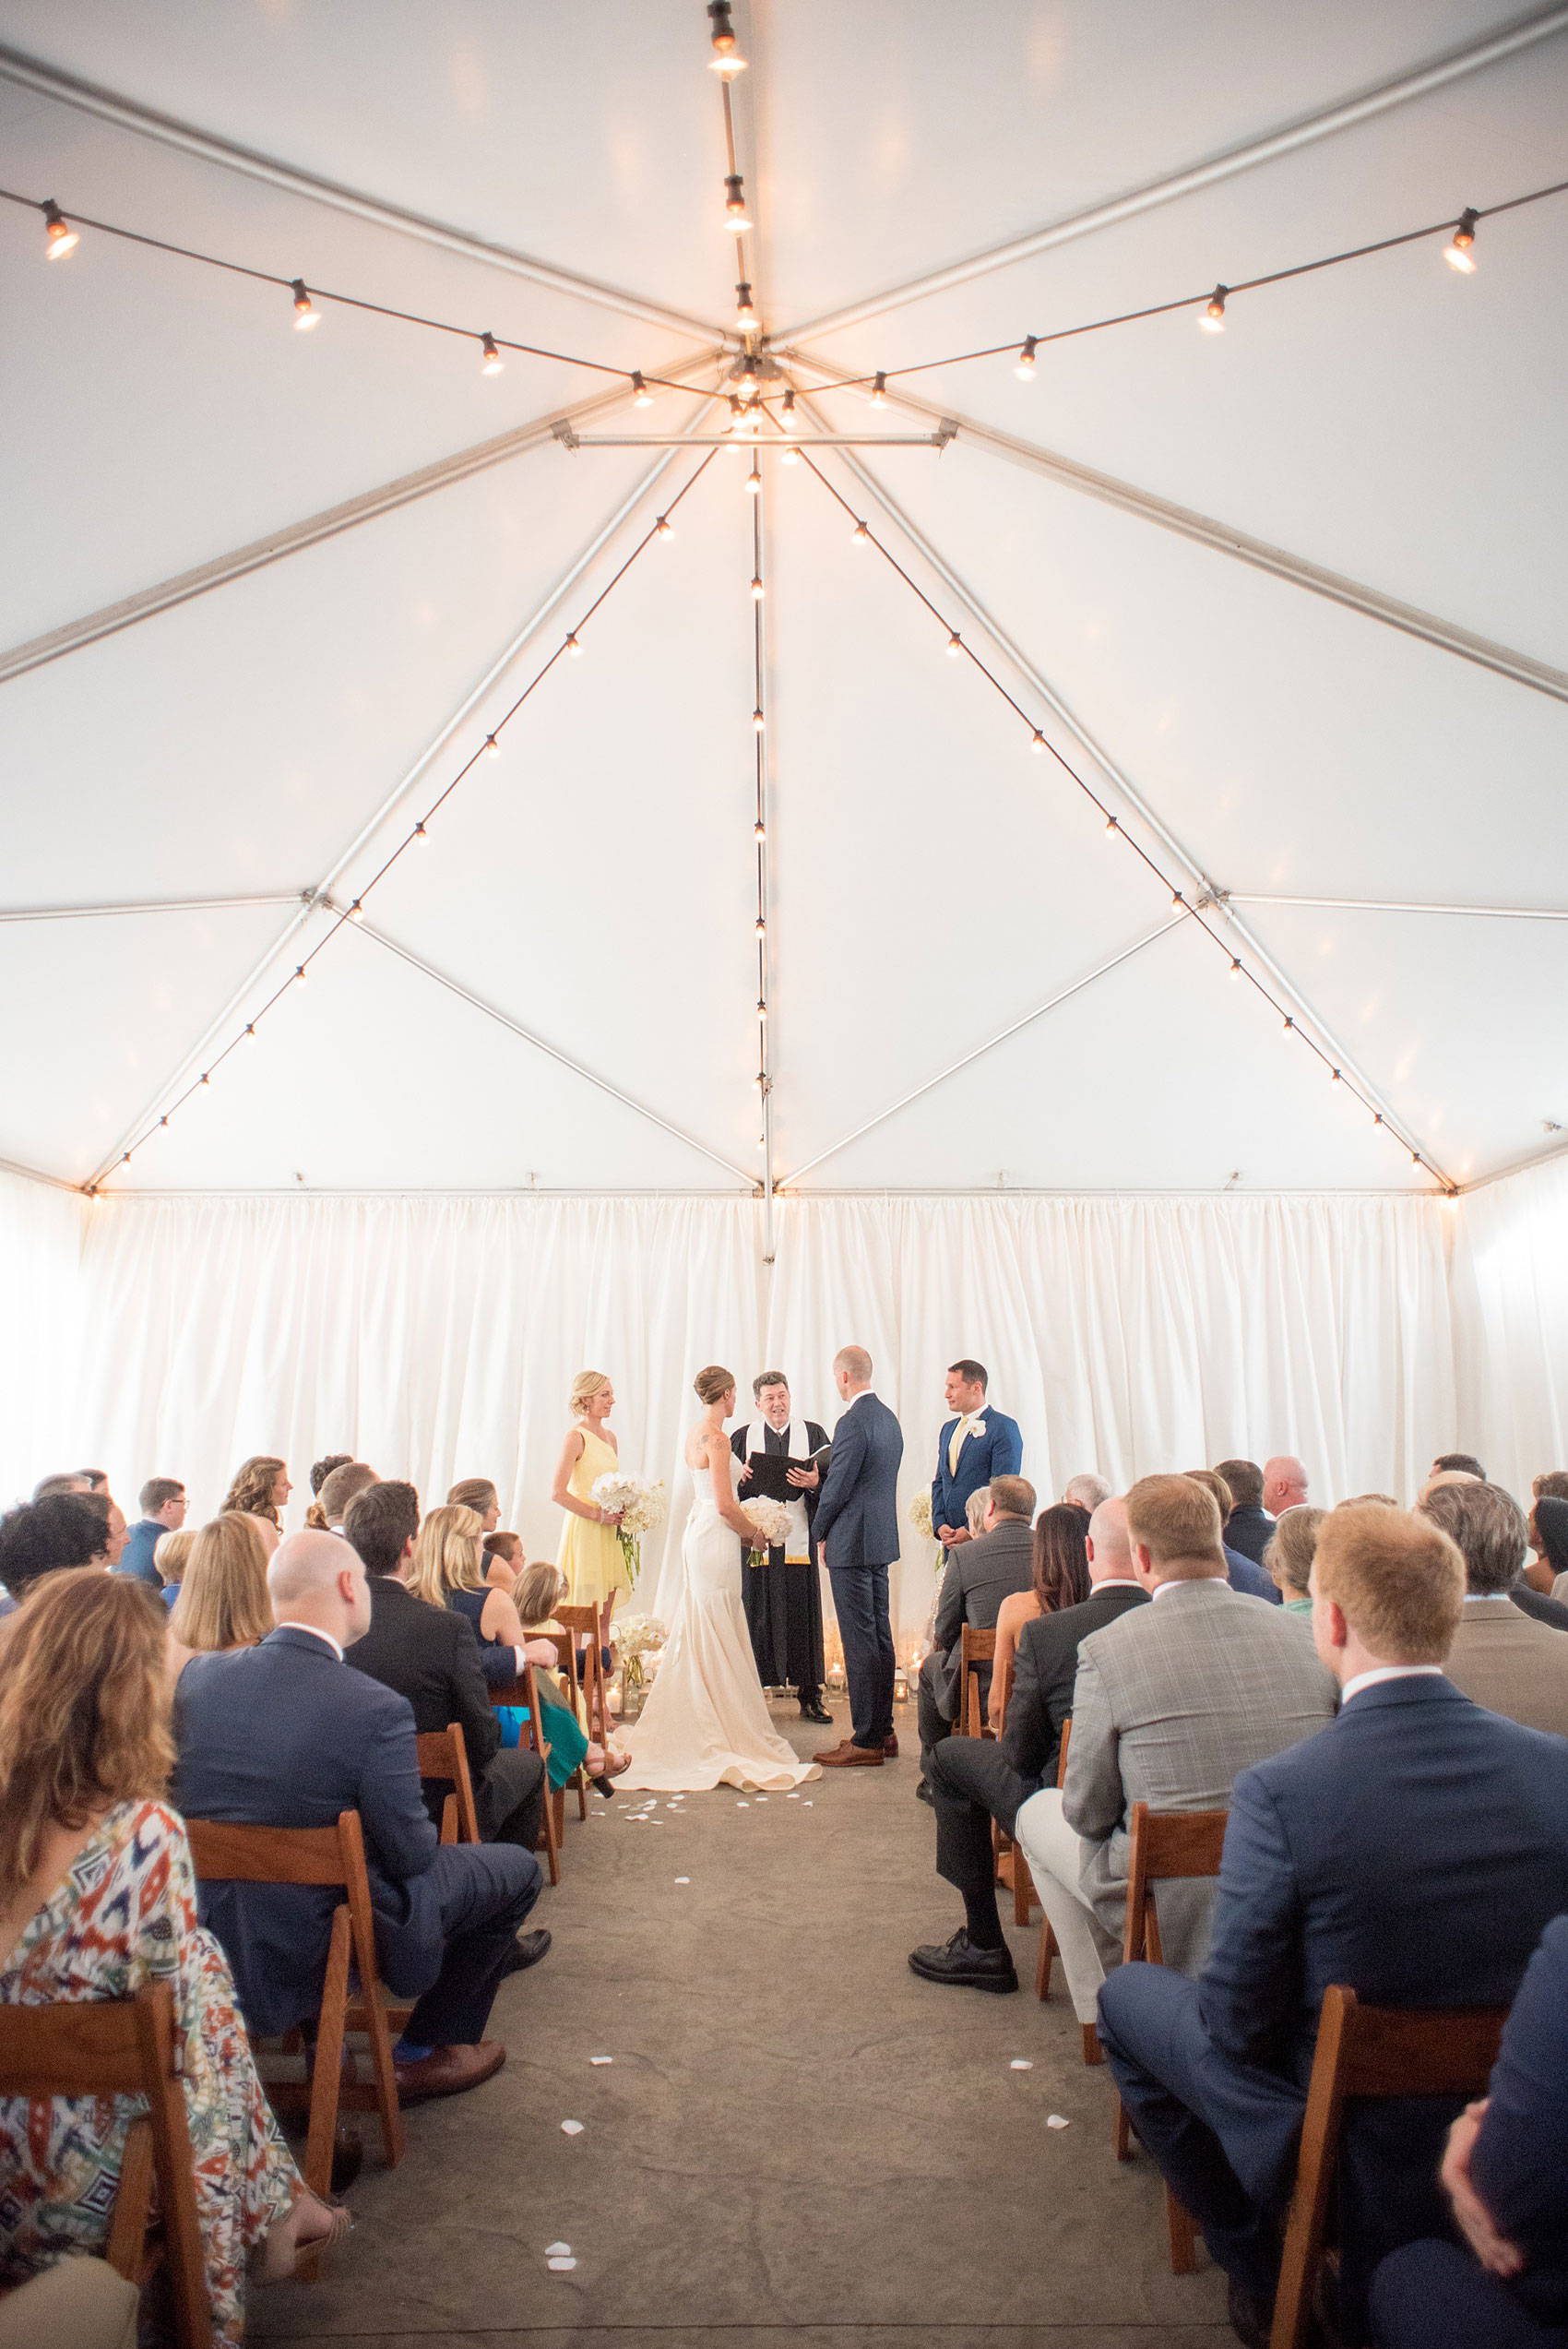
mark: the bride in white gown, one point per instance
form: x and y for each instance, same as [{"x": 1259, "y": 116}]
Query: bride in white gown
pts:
[{"x": 706, "y": 1722}]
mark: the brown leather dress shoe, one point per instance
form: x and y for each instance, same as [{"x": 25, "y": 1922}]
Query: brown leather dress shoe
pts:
[
  {"x": 890, "y": 1745},
  {"x": 849, "y": 1755},
  {"x": 447, "y": 2072}
]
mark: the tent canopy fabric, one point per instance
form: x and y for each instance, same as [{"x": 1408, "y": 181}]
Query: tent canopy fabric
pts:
[{"x": 574, "y": 945}]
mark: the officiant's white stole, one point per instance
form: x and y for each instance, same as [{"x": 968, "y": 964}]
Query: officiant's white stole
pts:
[{"x": 798, "y": 1549}]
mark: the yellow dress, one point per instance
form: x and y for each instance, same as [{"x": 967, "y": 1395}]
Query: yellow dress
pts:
[{"x": 590, "y": 1556}]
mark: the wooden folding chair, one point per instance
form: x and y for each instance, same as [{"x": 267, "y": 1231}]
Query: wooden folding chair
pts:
[
  {"x": 444, "y": 1755},
  {"x": 525, "y": 1693},
  {"x": 975, "y": 1648},
  {"x": 1368, "y": 2051},
  {"x": 592, "y": 1623},
  {"x": 1047, "y": 1939},
  {"x": 332, "y": 1856},
  {"x": 125, "y": 2047},
  {"x": 1165, "y": 1845}
]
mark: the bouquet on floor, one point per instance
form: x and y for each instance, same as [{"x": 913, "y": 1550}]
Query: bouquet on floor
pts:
[
  {"x": 772, "y": 1521},
  {"x": 643, "y": 1510},
  {"x": 636, "y": 1637}
]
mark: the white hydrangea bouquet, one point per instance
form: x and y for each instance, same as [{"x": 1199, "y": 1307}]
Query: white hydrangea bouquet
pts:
[
  {"x": 919, "y": 1514},
  {"x": 642, "y": 1508},
  {"x": 637, "y": 1636},
  {"x": 772, "y": 1521}
]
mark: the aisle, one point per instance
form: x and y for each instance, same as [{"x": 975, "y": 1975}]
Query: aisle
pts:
[{"x": 795, "y": 2140}]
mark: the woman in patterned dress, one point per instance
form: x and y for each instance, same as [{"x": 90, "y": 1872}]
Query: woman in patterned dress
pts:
[{"x": 97, "y": 1897}]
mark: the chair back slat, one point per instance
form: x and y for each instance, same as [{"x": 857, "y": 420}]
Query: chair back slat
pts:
[
  {"x": 74, "y": 2048},
  {"x": 444, "y": 1755},
  {"x": 1062, "y": 1751},
  {"x": 975, "y": 1646},
  {"x": 222, "y": 1850},
  {"x": 1390, "y": 2052}
]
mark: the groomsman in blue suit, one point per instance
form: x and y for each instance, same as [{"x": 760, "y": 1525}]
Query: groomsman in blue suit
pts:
[{"x": 975, "y": 1445}]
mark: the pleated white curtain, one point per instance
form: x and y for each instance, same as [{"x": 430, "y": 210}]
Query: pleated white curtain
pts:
[
  {"x": 1510, "y": 1324},
  {"x": 436, "y": 1338}
]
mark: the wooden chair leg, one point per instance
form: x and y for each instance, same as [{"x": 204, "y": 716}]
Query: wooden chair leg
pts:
[
  {"x": 1093, "y": 2052},
  {"x": 551, "y": 1842},
  {"x": 126, "y": 2249},
  {"x": 1183, "y": 2242},
  {"x": 582, "y": 1794},
  {"x": 1124, "y": 2132},
  {"x": 327, "y": 2080},
  {"x": 1042, "y": 1963},
  {"x": 1023, "y": 1886},
  {"x": 557, "y": 1805}
]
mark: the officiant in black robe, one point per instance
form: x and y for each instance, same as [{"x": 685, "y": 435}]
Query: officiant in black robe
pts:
[{"x": 783, "y": 1596}]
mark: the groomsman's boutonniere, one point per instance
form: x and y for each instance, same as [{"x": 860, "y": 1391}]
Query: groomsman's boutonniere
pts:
[{"x": 979, "y": 1427}]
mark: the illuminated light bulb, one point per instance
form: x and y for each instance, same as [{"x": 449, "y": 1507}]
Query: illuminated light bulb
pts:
[
  {"x": 760, "y": 829},
  {"x": 59, "y": 236},
  {"x": 735, "y": 203},
  {"x": 419, "y": 832},
  {"x": 726, "y": 60},
  {"x": 126, "y": 1159},
  {"x": 758, "y": 720},
  {"x": 299, "y": 975},
  {"x": 733, "y": 424},
  {"x": 760, "y": 1080},
  {"x": 356, "y": 912},
  {"x": 753, "y": 480},
  {"x": 306, "y": 315},
  {"x": 1235, "y": 966},
  {"x": 664, "y": 527},
  {"x": 1290, "y": 1026},
  {"x": 761, "y": 927},
  {"x": 641, "y": 396},
  {"x": 1037, "y": 743},
  {"x": 1377, "y": 1116},
  {"x": 574, "y": 648},
  {"x": 492, "y": 748},
  {"x": 1213, "y": 319},
  {"x": 205, "y": 1078},
  {"x": 745, "y": 315},
  {"x": 1025, "y": 369},
  {"x": 1416, "y": 1158},
  {"x": 954, "y": 645},
  {"x": 250, "y": 1030},
  {"x": 787, "y": 410},
  {"x": 1112, "y": 827},
  {"x": 1335, "y": 1077},
  {"x": 757, "y": 590},
  {"x": 879, "y": 389},
  {"x": 1177, "y": 897},
  {"x": 860, "y": 535},
  {"x": 164, "y": 1119},
  {"x": 1460, "y": 255},
  {"x": 791, "y": 457},
  {"x": 490, "y": 360},
  {"x": 761, "y": 1009}
]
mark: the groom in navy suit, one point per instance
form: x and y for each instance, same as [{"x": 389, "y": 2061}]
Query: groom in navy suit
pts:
[
  {"x": 975, "y": 1445},
  {"x": 857, "y": 1531}
]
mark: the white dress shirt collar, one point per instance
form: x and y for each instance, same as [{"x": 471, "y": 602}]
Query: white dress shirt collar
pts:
[
  {"x": 1183, "y": 1581},
  {"x": 1387, "y": 1672},
  {"x": 315, "y": 1633}
]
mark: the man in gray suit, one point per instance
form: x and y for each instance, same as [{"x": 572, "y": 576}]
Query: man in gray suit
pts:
[
  {"x": 1170, "y": 1702},
  {"x": 979, "y": 1575},
  {"x": 1500, "y": 1657}
]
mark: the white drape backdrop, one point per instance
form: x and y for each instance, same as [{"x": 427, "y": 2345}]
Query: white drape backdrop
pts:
[
  {"x": 1510, "y": 1324},
  {"x": 436, "y": 1338}
]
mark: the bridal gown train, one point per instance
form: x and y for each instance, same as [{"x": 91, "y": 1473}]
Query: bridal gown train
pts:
[{"x": 706, "y": 1722}]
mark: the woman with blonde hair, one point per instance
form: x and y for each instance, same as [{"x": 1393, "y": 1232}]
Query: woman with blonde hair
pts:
[
  {"x": 448, "y": 1571},
  {"x": 97, "y": 1898},
  {"x": 223, "y": 1602},
  {"x": 261, "y": 1485},
  {"x": 1287, "y": 1557},
  {"x": 590, "y": 1556},
  {"x": 480, "y": 1495},
  {"x": 170, "y": 1555}
]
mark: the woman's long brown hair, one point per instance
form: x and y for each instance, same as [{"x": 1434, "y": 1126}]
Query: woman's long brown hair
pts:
[
  {"x": 1060, "y": 1563},
  {"x": 252, "y": 1488},
  {"x": 84, "y": 1719}
]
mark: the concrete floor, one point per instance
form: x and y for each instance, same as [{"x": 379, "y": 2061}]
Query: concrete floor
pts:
[{"x": 796, "y": 2139}]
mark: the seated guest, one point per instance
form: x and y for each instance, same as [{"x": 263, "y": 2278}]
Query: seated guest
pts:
[
  {"x": 326, "y": 1512},
  {"x": 261, "y": 1485},
  {"x": 430, "y": 1656},
  {"x": 95, "y": 1479},
  {"x": 285, "y": 1735},
  {"x": 1355, "y": 1500},
  {"x": 97, "y": 1898},
  {"x": 974, "y": 1513},
  {"x": 1505, "y": 2172},
  {"x": 113, "y": 1519},
  {"x": 71, "y": 1480},
  {"x": 1498, "y": 1657},
  {"x": 976, "y": 1780},
  {"x": 163, "y": 1511},
  {"x": 1058, "y": 1569},
  {"x": 320, "y": 1470},
  {"x": 1248, "y": 1525},
  {"x": 1284, "y": 1484},
  {"x": 170, "y": 1560},
  {"x": 1550, "y": 1518},
  {"x": 1457, "y": 1464},
  {"x": 978, "y": 1576},
  {"x": 1241, "y": 1571},
  {"x": 1289, "y": 1557},
  {"x": 39, "y": 1537},
  {"x": 1088, "y": 1491},
  {"x": 480, "y": 1495},
  {"x": 1171, "y": 1701},
  {"x": 503, "y": 1559},
  {"x": 1415, "y": 1851},
  {"x": 223, "y": 1601},
  {"x": 536, "y": 1593}
]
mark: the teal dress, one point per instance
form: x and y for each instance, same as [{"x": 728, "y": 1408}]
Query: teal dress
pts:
[{"x": 562, "y": 1730}]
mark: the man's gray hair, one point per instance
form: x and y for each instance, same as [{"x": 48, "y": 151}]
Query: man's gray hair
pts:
[
  {"x": 1488, "y": 1527},
  {"x": 1087, "y": 1490},
  {"x": 1012, "y": 1496},
  {"x": 768, "y": 1378},
  {"x": 856, "y": 1360}
]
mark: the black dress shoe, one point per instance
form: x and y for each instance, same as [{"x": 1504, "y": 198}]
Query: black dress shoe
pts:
[
  {"x": 528, "y": 1949},
  {"x": 811, "y": 1710},
  {"x": 960, "y": 1962},
  {"x": 924, "y": 1795},
  {"x": 1250, "y": 2320}
]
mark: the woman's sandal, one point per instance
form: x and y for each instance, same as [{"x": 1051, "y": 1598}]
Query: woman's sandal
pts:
[{"x": 278, "y": 2254}]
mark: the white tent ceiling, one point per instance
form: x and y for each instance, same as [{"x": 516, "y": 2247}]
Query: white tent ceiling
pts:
[{"x": 592, "y": 896}]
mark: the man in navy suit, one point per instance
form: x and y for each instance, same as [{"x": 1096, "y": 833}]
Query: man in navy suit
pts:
[
  {"x": 975, "y": 1445},
  {"x": 1415, "y": 1849},
  {"x": 1507, "y": 2174},
  {"x": 284, "y": 1735},
  {"x": 163, "y": 1511},
  {"x": 857, "y": 1533}
]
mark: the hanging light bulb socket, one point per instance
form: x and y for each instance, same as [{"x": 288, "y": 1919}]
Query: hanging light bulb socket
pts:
[
  {"x": 574, "y": 648},
  {"x": 306, "y": 315},
  {"x": 1037, "y": 743},
  {"x": 745, "y": 313},
  {"x": 758, "y": 720},
  {"x": 663, "y": 527},
  {"x": 787, "y": 410},
  {"x": 491, "y": 361},
  {"x": 641, "y": 396},
  {"x": 735, "y": 203},
  {"x": 1025, "y": 369},
  {"x": 879, "y": 389},
  {"x": 1460, "y": 254},
  {"x": 753, "y": 480},
  {"x": 860, "y": 535},
  {"x": 1213, "y": 319},
  {"x": 758, "y": 589},
  {"x": 726, "y": 60},
  {"x": 492, "y": 748},
  {"x": 760, "y": 829},
  {"x": 59, "y": 236},
  {"x": 954, "y": 645}
]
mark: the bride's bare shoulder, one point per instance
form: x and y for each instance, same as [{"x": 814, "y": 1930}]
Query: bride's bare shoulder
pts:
[{"x": 696, "y": 1447}]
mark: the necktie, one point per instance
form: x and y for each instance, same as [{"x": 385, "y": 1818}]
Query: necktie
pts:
[{"x": 956, "y": 1446}]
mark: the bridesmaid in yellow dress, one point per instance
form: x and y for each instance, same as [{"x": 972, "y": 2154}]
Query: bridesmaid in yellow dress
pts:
[{"x": 590, "y": 1556}]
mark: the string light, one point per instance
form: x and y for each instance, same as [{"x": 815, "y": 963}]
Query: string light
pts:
[
  {"x": 250, "y": 1038},
  {"x": 574, "y": 648},
  {"x": 860, "y": 535},
  {"x": 761, "y": 1010},
  {"x": 420, "y": 834},
  {"x": 490, "y": 360},
  {"x": 726, "y": 60},
  {"x": 745, "y": 315},
  {"x": 1335, "y": 1077},
  {"x": 789, "y": 457},
  {"x": 59, "y": 236},
  {"x": 1460, "y": 255},
  {"x": 492, "y": 748},
  {"x": 306, "y": 315},
  {"x": 879, "y": 390},
  {"x": 760, "y": 829},
  {"x": 761, "y": 926},
  {"x": 356, "y": 912},
  {"x": 754, "y": 479},
  {"x": 787, "y": 416},
  {"x": 758, "y": 720},
  {"x": 756, "y": 589},
  {"x": 1289, "y": 1028},
  {"x": 1112, "y": 827},
  {"x": 1213, "y": 319},
  {"x": 1235, "y": 966},
  {"x": 1037, "y": 743},
  {"x": 664, "y": 527},
  {"x": 1024, "y": 370},
  {"x": 299, "y": 981},
  {"x": 641, "y": 396},
  {"x": 954, "y": 645},
  {"x": 735, "y": 203}
]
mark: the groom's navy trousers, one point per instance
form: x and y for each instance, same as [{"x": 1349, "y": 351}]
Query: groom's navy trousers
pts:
[
  {"x": 859, "y": 1601},
  {"x": 857, "y": 1520}
]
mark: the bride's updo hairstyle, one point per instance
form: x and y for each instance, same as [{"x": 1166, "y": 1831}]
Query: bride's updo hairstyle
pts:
[
  {"x": 585, "y": 1385},
  {"x": 711, "y": 1386}
]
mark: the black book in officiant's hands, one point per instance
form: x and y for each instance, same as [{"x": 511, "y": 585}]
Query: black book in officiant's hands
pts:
[{"x": 768, "y": 1476}]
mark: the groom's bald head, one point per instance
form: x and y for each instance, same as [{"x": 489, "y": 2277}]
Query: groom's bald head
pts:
[{"x": 854, "y": 1363}]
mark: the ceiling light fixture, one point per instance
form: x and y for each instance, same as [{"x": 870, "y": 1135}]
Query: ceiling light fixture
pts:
[
  {"x": 735, "y": 203},
  {"x": 879, "y": 389},
  {"x": 954, "y": 645},
  {"x": 1213, "y": 319},
  {"x": 789, "y": 457},
  {"x": 758, "y": 720},
  {"x": 59, "y": 236},
  {"x": 664, "y": 527},
  {"x": 492, "y": 748},
  {"x": 1112, "y": 827},
  {"x": 753, "y": 480},
  {"x": 419, "y": 832},
  {"x": 306, "y": 315},
  {"x": 1024, "y": 370},
  {"x": 758, "y": 589},
  {"x": 860, "y": 535},
  {"x": 1235, "y": 966},
  {"x": 760, "y": 829},
  {"x": 574, "y": 648},
  {"x": 491, "y": 361},
  {"x": 641, "y": 396},
  {"x": 1038, "y": 743},
  {"x": 761, "y": 927},
  {"x": 1460, "y": 255},
  {"x": 726, "y": 60},
  {"x": 787, "y": 410},
  {"x": 745, "y": 315}
]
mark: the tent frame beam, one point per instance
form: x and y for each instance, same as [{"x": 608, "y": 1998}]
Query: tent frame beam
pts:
[
  {"x": 367, "y": 831},
  {"x": 530, "y": 1036},
  {"x": 1399, "y": 905},
  {"x": 145, "y": 122},
  {"x": 149, "y": 905},
  {"x": 1210, "y": 893},
  {"x": 1472, "y": 57},
  {"x": 1429, "y": 628}
]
